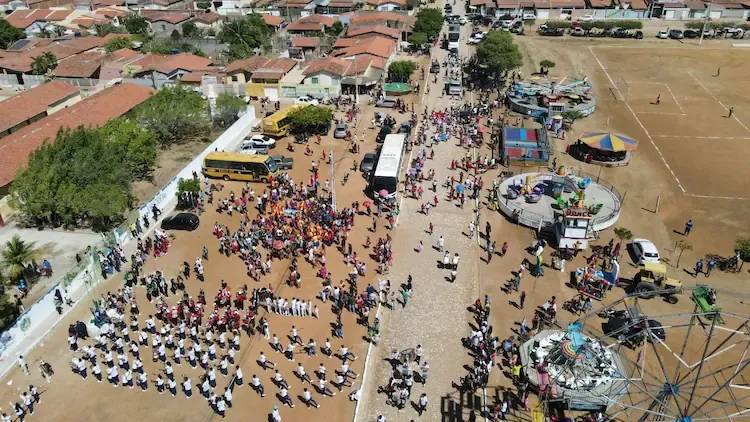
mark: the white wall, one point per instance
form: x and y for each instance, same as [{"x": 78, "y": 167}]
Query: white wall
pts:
[{"x": 324, "y": 79}]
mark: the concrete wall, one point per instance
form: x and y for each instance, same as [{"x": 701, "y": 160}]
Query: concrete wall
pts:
[
  {"x": 325, "y": 79},
  {"x": 64, "y": 104}
]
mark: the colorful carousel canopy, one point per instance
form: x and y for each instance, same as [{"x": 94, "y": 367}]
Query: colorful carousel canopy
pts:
[{"x": 607, "y": 141}]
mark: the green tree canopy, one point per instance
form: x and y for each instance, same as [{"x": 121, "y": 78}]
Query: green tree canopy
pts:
[
  {"x": 228, "y": 109},
  {"x": 43, "y": 63},
  {"x": 546, "y": 65},
  {"x": 401, "y": 70},
  {"x": 623, "y": 233},
  {"x": 118, "y": 43},
  {"x": 429, "y": 22},
  {"x": 135, "y": 24},
  {"x": 496, "y": 53},
  {"x": 246, "y": 34},
  {"x": 9, "y": 34},
  {"x": 190, "y": 30},
  {"x": 742, "y": 244},
  {"x": 175, "y": 35},
  {"x": 174, "y": 115},
  {"x": 83, "y": 178},
  {"x": 308, "y": 118},
  {"x": 14, "y": 256},
  {"x": 336, "y": 29},
  {"x": 107, "y": 28},
  {"x": 418, "y": 38}
]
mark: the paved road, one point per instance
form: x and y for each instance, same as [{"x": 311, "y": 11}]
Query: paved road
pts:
[{"x": 436, "y": 317}]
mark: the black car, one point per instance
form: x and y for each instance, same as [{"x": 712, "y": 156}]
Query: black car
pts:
[
  {"x": 638, "y": 35},
  {"x": 181, "y": 221},
  {"x": 632, "y": 331},
  {"x": 384, "y": 131},
  {"x": 689, "y": 33},
  {"x": 367, "y": 163}
]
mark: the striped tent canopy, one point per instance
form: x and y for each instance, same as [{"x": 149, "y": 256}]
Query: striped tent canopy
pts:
[{"x": 607, "y": 141}]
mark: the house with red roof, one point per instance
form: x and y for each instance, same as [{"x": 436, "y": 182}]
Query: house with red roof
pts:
[
  {"x": 24, "y": 109},
  {"x": 166, "y": 21}
]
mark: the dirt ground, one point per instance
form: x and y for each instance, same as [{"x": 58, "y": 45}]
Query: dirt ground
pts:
[{"x": 691, "y": 107}]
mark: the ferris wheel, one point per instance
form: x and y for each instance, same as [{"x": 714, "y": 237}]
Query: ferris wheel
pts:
[{"x": 641, "y": 359}]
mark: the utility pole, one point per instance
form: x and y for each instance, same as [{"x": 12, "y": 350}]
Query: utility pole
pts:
[{"x": 705, "y": 21}]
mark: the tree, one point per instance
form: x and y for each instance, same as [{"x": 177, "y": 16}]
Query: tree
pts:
[
  {"x": 228, "y": 109},
  {"x": 246, "y": 34},
  {"x": 496, "y": 53},
  {"x": 418, "y": 38},
  {"x": 137, "y": 146},
  {"x": 14, "y": 256},
  {"x": 336, "y": 29},
  {"x": 572, "y": 115},
  {"x": 190, "y": 30},
  {"x": 429, "y": 22},
  {"x": 136, "y": 24},
  {"x": 82, "y": 179},
  {"x": 174, "y": 115},
  {"x": 108, "y": 28},
  {"x": 308, "y": 119},
  {"x": 401, "y": 70},
  {"x": 412, "y": 4},
  {"x": 8, "y": 312},
  {"x": 742, "y": 245},
  {"x": 175, "y": 35},
  {"x": 9, "y": 34},
  {"x": 623, "y": 234},
  {"x": 118, "y": 43},
  {"x": 546, "y": 65},
  {"x": 682, "y": 245},
  {"x": 43, "y": 63}
]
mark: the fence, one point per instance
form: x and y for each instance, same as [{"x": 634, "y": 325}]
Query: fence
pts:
[{"x": 34, "y": 324}]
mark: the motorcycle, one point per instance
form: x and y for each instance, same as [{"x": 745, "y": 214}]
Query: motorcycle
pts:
[{"x": 612, "y": 313}]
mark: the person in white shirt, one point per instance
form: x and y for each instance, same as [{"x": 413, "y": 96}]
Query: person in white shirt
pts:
[
  {"x": 322, "y": 371},
  {"x": 26, "y": 399},
  {"x": 308, "y": 399},
  {"x": 303, "y": 376},
  {"x": 280, "y": 381},
  {"x": 258, "y": 387},
  {"x": 212, "y": 377},
  {"x": 221, "y": 408},
  {"x": 160, "y": 384},
  {"x": 143, "y": 381},
  {"x": 172, "y": 385},
  {"x": 187, "y": 387},
  {"x": 238, "y": 376},
  {"x": 285, "y": 398},
  {"x": 346, "y": 354},
  {"x": 113, "y": 376},
  {"x": 265, "y": 362},
  {"x": 422, "y": 404},
  {"x": 97, "y": 371},
  {"x": 205, "y": 387},
  {"x": 81, "y": 368},
  {"x": 323, "y": 388},
  {"x": 275, "y": 414},
  {"x": 228, "y": 396},
  {"x": 127, "y": 379}
]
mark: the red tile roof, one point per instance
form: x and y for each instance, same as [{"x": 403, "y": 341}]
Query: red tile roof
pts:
[
  {"x": 364, "y": 16},
  {"x": 75, "y": 68},
  {"x": 344, "y": 42},
  {"x": 333, "y": 65},
  {"x": 23, "y": 106},
  {"x": 274, "y": 69},
  {"x": 45, "y": 15},
  {"x": 184, "y": 61},
  {"x": 159, "y": 15},
  {"x": 123, "y": 53},
  {"x": 381, "y": 2},
  {"x": 377, "y": 46},
  {"x": 305, "y": 42},
  {"x": 196, "y": 77},
  {"x": 548, "y": 4},
  {"x": 246, "y": 65},
  {"x": 95, "y": 110},
  {"x": 322, "y": 19},
  {"x": 209, "y": 18},
  {"x": 272, "y": 20},
  {"x": 301, "y": 26},
  {"x": 373, "y": 29}
]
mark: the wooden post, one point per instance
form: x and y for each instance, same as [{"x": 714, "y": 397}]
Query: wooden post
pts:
[{"x": 656, "y": 209}]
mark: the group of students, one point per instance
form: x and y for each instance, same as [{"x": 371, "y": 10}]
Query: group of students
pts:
[{"x": 28, "y": 399}]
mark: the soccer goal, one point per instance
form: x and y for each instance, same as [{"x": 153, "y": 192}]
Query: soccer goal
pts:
[{"x": 620, "y": 90}]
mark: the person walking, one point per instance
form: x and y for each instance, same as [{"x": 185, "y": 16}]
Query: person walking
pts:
[
  {"x": 688, "y": 227},
  {"x": 471, "y": 229},
  {"x": 698, "y": 268},
  {"x": 710, "y": 267},
  {"x": 504, "y": 249},
  {"x": 523, "y": 298},
  {"x": 422, "y": 404},
  {"x": 731, "y": 112},
  {"x": 658, "y": 99}
]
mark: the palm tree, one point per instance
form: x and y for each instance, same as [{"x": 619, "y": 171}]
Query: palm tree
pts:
[
  {"x": 43, "y": 64},
  {"x": 15, "y": 255}
]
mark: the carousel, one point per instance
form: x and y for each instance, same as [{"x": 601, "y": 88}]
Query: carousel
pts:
[{"x": 603, "y": 148}]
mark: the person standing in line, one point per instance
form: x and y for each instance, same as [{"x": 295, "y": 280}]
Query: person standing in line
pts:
[
  {"x": 238, "y": 376},
  {"x": 422, "y": 404},
  {"x": 265, "y": 362},
  {"x": 187, "y": 387},
  {"x": 418, "y": 352},
  {"x": 172, "y": 386},
  {"x": 308, "y": 399},
  {"x": 471, "y": 229},
  {"x": 523, "y": 298}
]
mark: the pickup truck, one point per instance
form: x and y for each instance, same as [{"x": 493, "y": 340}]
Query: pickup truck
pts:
[
  {"x": 386, "y": 103},
  {"x": 283, "y": 162}
]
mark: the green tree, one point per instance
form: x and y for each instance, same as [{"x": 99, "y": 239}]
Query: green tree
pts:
[
  {"x": 412, "y": 4},
  {"x": 623, "y": 234},
  {"x": 336, "y": 29},
  {"x": 418, "y": 38},
  {"x": 742, "y": 244},
  {"x": 136, "y": 24},
  {"x": 239, "y": 51},
  {"x": 188, "y": 185},
  {"x": 545, "y": 66},
  {"x": 108, "y": 28},
  {"x": 175, "y": 35},
  {"x": 572, "y": 115},
  {"x": 82, "y": 179},
  {"x": 9, "y": 34},
  {"x": 137, "y": 146},
  {"x": 310, "y": 118},
  {"x": 190, "y": 30},
  {"x": 118, "y": 43},
  {"x": 250, "y": 32},
  {"x": 401, "y": 70},
  {"x": 14, "y": 256},
  {"x": 174, "y": 115},
  {"x": 43, "y": 63},
  {"x": 429, "y": 22},
  {"x": 496, "y": 53},
  {"x": 8, "y": 312},
  {"x": 228, "y": 109}
]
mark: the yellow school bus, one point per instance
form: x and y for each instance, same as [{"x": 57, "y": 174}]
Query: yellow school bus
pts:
[
  {"x": 278, "y": 123},
  {"x": 238, "y": 166}
]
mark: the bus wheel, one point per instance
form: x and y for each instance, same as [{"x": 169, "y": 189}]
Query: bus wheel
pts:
[{"x": 226, "y": 177}]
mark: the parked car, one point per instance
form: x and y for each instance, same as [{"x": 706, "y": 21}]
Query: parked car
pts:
[
  {"x": 517, "y": 27},
  {"x": 550, "y": 32},
  {"x": 585, "y": 18},
  {"x": 689, "y": 33},
  {"x": 620, "y": 33},
  {"x": 675, "y": 34},
  {"x": 251, "y": 147},
  {"x": 341, "y": 131},
  {"x": 367, "y": 163},
  {"x": 638, "y": 35},
  {"x": 645, "y": 251},
  {"x": 385, "y": 130},
  {"x": 462, "y": 20},
  {"x": 263, "y": 140},
  {"x": 435, "y": 67},
  {"x": 405, "y": 128},
  {"x": 181, "y": 221},
  {"x": 307, "y": 99},
  {"x": 663, "y": 34},
  {"x": 386, "y": 103},
  {"x": 283, "y": 162},
  {"x": 529, "y": 16},
  {"x": 577, "y": 32}
]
